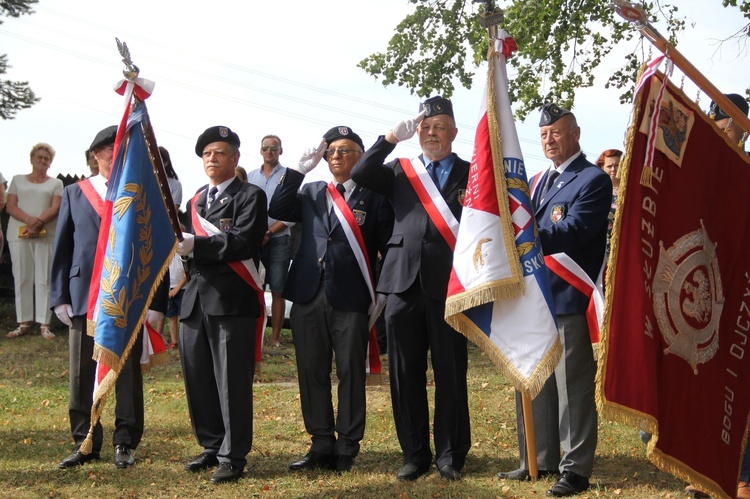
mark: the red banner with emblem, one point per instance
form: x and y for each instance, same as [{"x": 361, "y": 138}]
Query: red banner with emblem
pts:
[{"x": 675, "y": 352}]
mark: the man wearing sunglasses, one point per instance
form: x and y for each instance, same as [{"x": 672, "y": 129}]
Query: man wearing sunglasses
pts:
[
  {"x": 276, "y": 242},
  {"x": 331, "y": 284}
]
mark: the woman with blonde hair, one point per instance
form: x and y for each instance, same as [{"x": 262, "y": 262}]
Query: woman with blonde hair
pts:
[{"x": 33, "y": 204}]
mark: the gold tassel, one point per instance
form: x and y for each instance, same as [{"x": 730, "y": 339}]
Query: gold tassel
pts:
[
  {"x": 646, "y": 176},
  {"x": 88, "y": 444}
]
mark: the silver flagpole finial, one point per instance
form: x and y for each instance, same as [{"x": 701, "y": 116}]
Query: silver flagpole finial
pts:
[
  {"x": 130, "y": 71},
  {"x": 490, "y": 17}
]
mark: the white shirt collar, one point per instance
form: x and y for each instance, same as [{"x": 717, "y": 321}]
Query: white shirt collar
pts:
[{"x": 561, "y": 169}]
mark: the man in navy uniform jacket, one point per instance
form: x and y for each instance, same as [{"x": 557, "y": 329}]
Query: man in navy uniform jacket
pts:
[{"x": 328, "y": 284}]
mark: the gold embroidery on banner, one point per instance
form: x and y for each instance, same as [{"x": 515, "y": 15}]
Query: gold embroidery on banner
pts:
[
  {"x": 688, "y": 297},
  {"x": 478, "y": 257}
]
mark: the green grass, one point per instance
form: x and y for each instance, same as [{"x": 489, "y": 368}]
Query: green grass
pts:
[{"x": 35, "y": 436}]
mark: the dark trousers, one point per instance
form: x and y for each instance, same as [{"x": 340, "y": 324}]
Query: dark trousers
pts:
[
  {"x": 415, "y": 324},
  {"x": 218, "y": 362},
  {"x": 319, "y": 331},
  {"x": 128, "y": 391}
]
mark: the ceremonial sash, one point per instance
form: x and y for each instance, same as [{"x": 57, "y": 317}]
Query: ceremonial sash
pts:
[
  {"x": 93, "y": 197},
  {"x": 429, "y": 195},
  {"x": 534, "y": 183},
  {"x": 569, "y": 271},
  {"x": 357, "y": 243},
  {"x": 243, "y": 268}
]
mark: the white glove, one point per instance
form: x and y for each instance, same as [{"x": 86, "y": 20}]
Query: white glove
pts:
[
  {"x": 311, "y": 157},
  {"x": 406, "y": 129},
  {"x": 64, "y": 313},
  {"x": 185, "y": 247},
  {"x": 152, "y": 316}
]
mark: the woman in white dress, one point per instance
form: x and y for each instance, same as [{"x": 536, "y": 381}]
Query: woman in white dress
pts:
[{"x": 33, "y": 204}]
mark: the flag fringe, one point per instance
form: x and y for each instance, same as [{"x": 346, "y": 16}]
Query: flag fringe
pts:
[
  {"x": 116, "y": 363},
  {"x": 531, "y": 385},
  {"x": 157, "y": 359},
  {"x": 496, "y": 290}
]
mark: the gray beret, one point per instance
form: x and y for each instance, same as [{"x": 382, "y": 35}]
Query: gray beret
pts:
[{"x": 551, "y": 112}]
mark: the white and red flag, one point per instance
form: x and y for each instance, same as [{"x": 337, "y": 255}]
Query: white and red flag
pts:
[{"x": 498, "y": 294}]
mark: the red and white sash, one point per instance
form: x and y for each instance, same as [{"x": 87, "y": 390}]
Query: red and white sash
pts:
[
  {"x": 244, "y": 268},
  {"x": 93, "y": 197},
  {"x": 429, "y": 195},
  {"x": 357, "y": 242},
  {"x": 568, "y": 270}
]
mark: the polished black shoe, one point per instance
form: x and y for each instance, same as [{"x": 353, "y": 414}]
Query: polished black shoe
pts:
[
  {"x": 569, "y": 484},
  {"x": 448, "y": 472},
  {"x": 226, "y": 472},
  {"x": 313, "y": 460},
  {"x": 523, "y": 475},
  {"x": 123, "y": 457},
  {"x": 77, "y": 459},
  {"x": 344, "y": 463},
  {"x": 202, "y": 462},
  {"x": 412, "y": 471}
]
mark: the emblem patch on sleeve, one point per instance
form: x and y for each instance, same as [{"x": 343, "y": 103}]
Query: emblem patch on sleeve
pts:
[
  {"x": 558, "y": 213},
  {"x": 225, "y": 224}
]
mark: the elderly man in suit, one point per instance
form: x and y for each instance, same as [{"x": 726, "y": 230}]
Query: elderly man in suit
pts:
[
  {"x": 227, "y": 220},
  {"x": 72, "y": 266},
  {"x": 571, "y": 201},
  {"x": 331, "y": 284},
  {"x": 426, "y": 193}
]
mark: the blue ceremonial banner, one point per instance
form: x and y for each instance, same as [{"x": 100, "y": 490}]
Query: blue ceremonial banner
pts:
[
  {"x": 136, "y": 244},
  {"x": 499, "y": 294}
]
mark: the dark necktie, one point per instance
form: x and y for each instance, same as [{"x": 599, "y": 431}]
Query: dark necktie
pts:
[
  {"x": 211, "y": 196},
  {"x": 551, "y": 178},
  {"x": 432, "y": 169},
  {"x": 342, "y": 190}
]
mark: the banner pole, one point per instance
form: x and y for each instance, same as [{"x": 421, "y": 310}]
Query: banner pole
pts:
[
  {"x": 528, "y": 425},
  {"x": 634, "y": 13}
]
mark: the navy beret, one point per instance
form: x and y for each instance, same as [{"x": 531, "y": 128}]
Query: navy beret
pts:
[
  {"x": 435, "y": 106},
  {"x": 736, "y": 99},
  {"x": 216, "y": 134},
  {"x": 104, "y": 137},
  {"x": 551, "y": 112},
  {"x": 342, "y": 132}
]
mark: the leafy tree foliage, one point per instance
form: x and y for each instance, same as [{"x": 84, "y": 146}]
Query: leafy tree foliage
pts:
[
  {"x": 14, "y": 95},
  {"x": 561, "y": 43}
]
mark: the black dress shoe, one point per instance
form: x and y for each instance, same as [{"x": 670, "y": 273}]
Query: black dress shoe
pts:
[
  {"x": 123, "y": 457},
  {"x": 202, "y": 462},
  {"x": 344, "y": 463},
  {"x": 226, "y": 472},
  {"x": 412, "y": 471},
  {"x": 448, "y": 472},
  {"x": 77, "y": 459},
  {"x": 313, "y": 460},
  {"x": 569, "y": 484},
  {"x": 523, "y": 475}
]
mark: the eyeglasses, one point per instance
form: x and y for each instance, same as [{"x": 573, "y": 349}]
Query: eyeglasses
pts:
[
  {"x": 273, "y": 148},
  {"x": 343, "y": 152}
]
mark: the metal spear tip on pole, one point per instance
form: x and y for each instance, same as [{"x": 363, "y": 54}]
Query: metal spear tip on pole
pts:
[{"x": 130, "y": 71}]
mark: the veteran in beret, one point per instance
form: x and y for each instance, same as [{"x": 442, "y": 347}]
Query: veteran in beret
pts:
[
  {"x": 426, "y": 193},
  {"x": 571, "y": 199},
  {"x": 332, "y": 285},
  {"x": 727, "y": 124},
  {"x": 227, "y": 220},
  {"x": 76, "y": 235}
]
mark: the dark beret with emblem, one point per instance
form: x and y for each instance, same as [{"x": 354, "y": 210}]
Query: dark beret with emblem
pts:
[
  {"x": 216, "y": 134},
  {"x": 104, "y": 138},
  {"x": 435, "y": 106},
  {"x": 551, "y": 112},
  {"x": 736, "y": 99},
  {"x": 342, "y": 132}
]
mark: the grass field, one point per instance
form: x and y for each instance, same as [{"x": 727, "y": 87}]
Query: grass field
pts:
[{"x": 34, "y": 436}]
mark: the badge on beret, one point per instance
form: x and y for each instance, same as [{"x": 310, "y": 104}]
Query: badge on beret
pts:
[
  {"x": 359, "y": 216},
  {"x": 558, "y": 213},
  {"x": 225, "y": 225},
  {"x": 224, "y": 131},
  {"x": 551, "y": 112},
  {"x": 343, "y": 130},
  {"x": 436, "y": 105}
]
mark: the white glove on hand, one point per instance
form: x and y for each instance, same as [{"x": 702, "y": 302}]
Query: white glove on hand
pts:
[
  {"x": 64, "y": 313},
  {"x": 406, "y": 129},
  {"x": 185, "y": 247},
  {"x": 152, "y": 316},
  {"x": 311, "y": 157}
]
